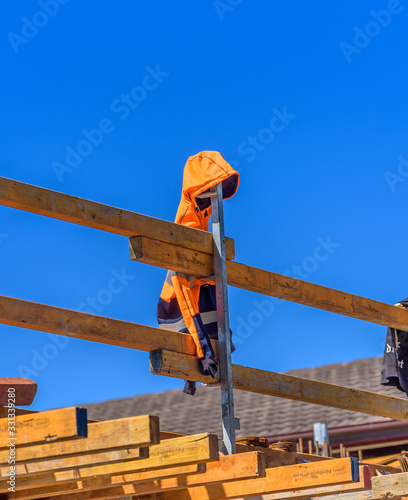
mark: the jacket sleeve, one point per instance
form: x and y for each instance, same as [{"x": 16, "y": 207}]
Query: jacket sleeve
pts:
[{"x": 187, "y": 294}]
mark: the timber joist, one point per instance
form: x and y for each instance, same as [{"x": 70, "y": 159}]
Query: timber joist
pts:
[
  {"x": 182, "y": 366},
  {"x": 169, "y": 256},
  {"x": 45, "y": 427},
  {"x": 88, "y": 213},
  {"x": 44, "y": 318}
]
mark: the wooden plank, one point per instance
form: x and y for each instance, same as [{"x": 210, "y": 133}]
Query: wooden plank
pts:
[
  {"x": 106, "y": 482},
  {"x": 187, "y": 450},
  {"x": 286, "y": 386},
  {"x": 19, "y": 411},
  {"x": 202, "y": 263},
  {"x": 383, "y": 488},
  {"x": 273, "y": 457},
  {"x": 373, "y": 467},
  {"x": 121, "y": 433},
  {"x": 88, "y": 213},
  {"x": 17, "y": 391},
  {"x": 338, "y": 489},
  {"x": 110, "y": 494},
  {"x": 43, "y": 427},
  {"x": 268, "y": 283},
  {"x": 278, "y": 479},
  {"x": 34, "y": 316},
  {"x": 229, "y": 468},
  {"x": 77, "y": 460}
]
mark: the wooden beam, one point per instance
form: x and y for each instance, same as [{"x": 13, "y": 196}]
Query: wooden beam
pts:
[
  {"x": 147, "y": 251},
  {"x": 383, "y": 488},
  {"x": 102, "y": 436},
  {"x": 17, "y": 391},
  {"x": 43, "y": 427},
  {"x": 78, "y": 460},
  {"x": 229, "y": 468},
  {"x": 372, "y": 466},
  {"x": 278, "y": 479},
  {"x": 268, "y": 283},
  {"x": 286, "y": 386},
  {"x": 88, "y": 213},
  {"x": 105, "y": 482},
  {"x": 322, "y": 491},
  {"x": 34, "y": 316},
  {"x": 188, "y": 450},
  {"x": 19, "y": 411}
]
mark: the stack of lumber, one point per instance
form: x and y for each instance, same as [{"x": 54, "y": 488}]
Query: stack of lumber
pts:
[{"x": 60, "y": 454}]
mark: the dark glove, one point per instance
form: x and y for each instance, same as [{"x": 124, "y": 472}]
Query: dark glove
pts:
[
  {"x": 208, "y": 366},
  {"x": 189, "y": 387}
]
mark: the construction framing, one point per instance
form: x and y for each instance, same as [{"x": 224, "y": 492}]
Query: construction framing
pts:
[{"x": 63, "y": 455}]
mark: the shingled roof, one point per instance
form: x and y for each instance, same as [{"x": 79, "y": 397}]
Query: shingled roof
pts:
[{"x": 260, "y": 415}]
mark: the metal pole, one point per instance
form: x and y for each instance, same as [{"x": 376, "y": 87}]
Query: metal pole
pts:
[{"x": 229, "y": 423}]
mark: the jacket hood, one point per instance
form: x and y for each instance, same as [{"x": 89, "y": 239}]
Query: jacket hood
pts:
[{"x": 201, "y": 172}]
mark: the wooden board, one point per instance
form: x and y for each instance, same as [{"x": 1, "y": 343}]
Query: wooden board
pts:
[
  {"x": 77, "y": 460},
  {"x": 88, "y": 213},
  {"x": 373, "y": 467},
  {"x": 43, "y": 427},
  {"x": 121, "y": 433},
  {"x": 106, "y": 482},
  {"x": 19, "y": 411},
  {"x": 278, "y": 479},
  {"x": 383, "y": 488},
  {"x": 268, "y": 283},
  {"x": 17, "y": 391},
  {"x": 337, "y": 489},
  {"x": 229, "y": 468},
  {"x": 187, "y": 450},
  {"x": 286, "y": 386},
  {"x": 34, "y": 316}
]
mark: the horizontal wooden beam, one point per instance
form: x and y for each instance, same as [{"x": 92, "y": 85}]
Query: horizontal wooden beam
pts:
[
  {"x": 4, "y": 411},
  {"x": 229, "y": 468},
  {"x": 105, "y": 482},
  {"x": 322, "y": 491},
  {"x": 187, "y": 450},
  {"x": 34, "y": 316},
  {"x": 286, "y": 386},
  {"x": 43, "y": 427},
  {"x": 102, "y": 436},
  {"x": 257, "y": 280},
  {"x": 17, "y": 391},
  {"x": 278, "y": 479},
  {"x": 89, "y": 459},
  {"x": 374, "y": 468},
  {"x": 88, "y": 213},
  {"x": 383, "y": 488}
]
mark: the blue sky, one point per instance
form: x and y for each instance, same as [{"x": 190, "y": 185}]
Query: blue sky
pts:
[{"x": 309, "y": 103}]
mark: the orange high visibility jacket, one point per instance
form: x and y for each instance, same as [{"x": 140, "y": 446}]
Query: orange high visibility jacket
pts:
[{"x": 186, "y": 303}]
